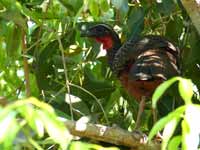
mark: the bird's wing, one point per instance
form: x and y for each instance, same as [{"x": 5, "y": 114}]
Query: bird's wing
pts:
[
  {"x": 134, "y": 47},
  {"x": 154, "y": 64}
]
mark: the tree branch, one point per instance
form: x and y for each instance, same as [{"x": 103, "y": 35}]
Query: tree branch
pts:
[
  {"x": 114, "y": 135},
  {"x": 26, "y": 68},
  {"x": 193, "y": 9}
]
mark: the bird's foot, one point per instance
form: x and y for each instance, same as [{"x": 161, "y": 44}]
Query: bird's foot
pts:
[
  {"x": 158, "y": 138},
  {"x": 140, "y": 136}
]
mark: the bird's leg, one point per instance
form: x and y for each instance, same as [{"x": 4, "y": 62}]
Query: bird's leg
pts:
[
  {"x": 138, "y": 134},
  {"x": 140, "y": 111}
]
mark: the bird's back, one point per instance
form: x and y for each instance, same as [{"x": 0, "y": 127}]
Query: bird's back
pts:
[{"x": 146, "y": 63}]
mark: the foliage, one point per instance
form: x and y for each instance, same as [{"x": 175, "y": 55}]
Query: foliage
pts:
[
  {"x": 184, "y": 115},
  {"x": 64, "y": 67},
  {"x": 22, "y": 114}
]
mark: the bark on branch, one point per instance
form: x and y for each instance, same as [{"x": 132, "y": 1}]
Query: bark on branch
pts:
[
  {"x": 114, "y": 135},
  {"x": 193, "y": 9}
]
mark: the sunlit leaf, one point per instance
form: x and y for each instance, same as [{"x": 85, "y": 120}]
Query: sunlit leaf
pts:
[
  {"x": 27, "y": 111},
  {"x": 168, "y": 131},
  {"x": 163, "y": 121},
  {"x": 104, "y": 5},
  {"x": 174, "y": 143},
  {"x": 161, "y": 89},
  {"x": 39, "y": 125},
  {"x": 5, "y": 124},
  {"x": 11, "y": 134},
  {"x": 191, "y": 127},
  {"x": 55, "y": 128},
  {"x": 185, "y": 131},
  {"x": 94, "y": 9},
  {"x": 186, "y": 90}
]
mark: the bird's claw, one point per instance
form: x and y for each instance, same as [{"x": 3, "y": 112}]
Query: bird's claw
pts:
[{"x": 140, "y": 136}]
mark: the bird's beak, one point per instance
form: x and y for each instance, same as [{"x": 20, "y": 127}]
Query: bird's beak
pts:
[{"x": 87, "y": 33}]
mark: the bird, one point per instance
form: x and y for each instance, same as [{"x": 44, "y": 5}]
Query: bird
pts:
[{"x": 141, "y": 63}]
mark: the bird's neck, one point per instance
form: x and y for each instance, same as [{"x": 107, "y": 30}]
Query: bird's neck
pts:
[
  {"x": 111, "y": 43},
  {"x": 116, "y": 44}
]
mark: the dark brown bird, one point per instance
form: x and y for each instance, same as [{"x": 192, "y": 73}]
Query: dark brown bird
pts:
[{"x": 141, "y": 64}]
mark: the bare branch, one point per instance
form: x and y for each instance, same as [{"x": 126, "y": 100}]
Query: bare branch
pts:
[{"x": 114, "y": 135}]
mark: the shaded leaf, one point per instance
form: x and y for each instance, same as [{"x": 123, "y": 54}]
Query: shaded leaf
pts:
[
  {"x": 16, "y": 17},
  {"x": 13, "y": 39},
  {"x": 112, "y": 100},
  {"x": 166, "y": 7},
  {"x": 174, "y": 29},
  {"x": 135, "y": 23}
]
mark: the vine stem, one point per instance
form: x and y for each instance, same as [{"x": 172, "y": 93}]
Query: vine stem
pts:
[{"x": 66, "y": 76}]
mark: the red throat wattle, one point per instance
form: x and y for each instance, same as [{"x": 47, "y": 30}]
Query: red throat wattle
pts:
[{"x": 107, "y": 42}]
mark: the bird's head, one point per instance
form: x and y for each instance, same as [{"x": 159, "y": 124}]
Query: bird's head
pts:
[{"x": 103, "y": 34}]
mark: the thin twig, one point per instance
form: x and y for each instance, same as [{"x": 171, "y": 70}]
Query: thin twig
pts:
[
  {"x": 92, "y": 95},
  {"x": 95, "y": 98},
  {"x": 66, "y": 75}
]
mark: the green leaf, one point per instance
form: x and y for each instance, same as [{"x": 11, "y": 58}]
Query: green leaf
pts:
[
  {"x": 94, "y": 9},
  {"x": 77, "y": 104},
  {"x": 191, "y": 127},
  {"x": 168, "y": 132},
  {"x": 112, "y": 100},
  {"x": 174, "y": 143},
  {"x": 11, "y": 135},
  {"x": 13, "y": 39},
  {"x": 186, "y": 90},
  {"x": 174, "y": 29},
  {"x": 6, "y": 124},
  {"x": 99, "y": 88},
  {"x": 16, "y": 17},
  {"x": 104, "y": 5},
  {"x": 32, "y": 14},
  {"x": 161, "y": 89},
  {"x": 39, "y": 125},
  {"x": 166, "y": 7},
  {"x": 135, "y": 23},
  {"x": 122, "y": 9},
  {"x": 185, "y": 130},
  {"x": 55, "y": 128},
  {"x": 163, "y": 122}
]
